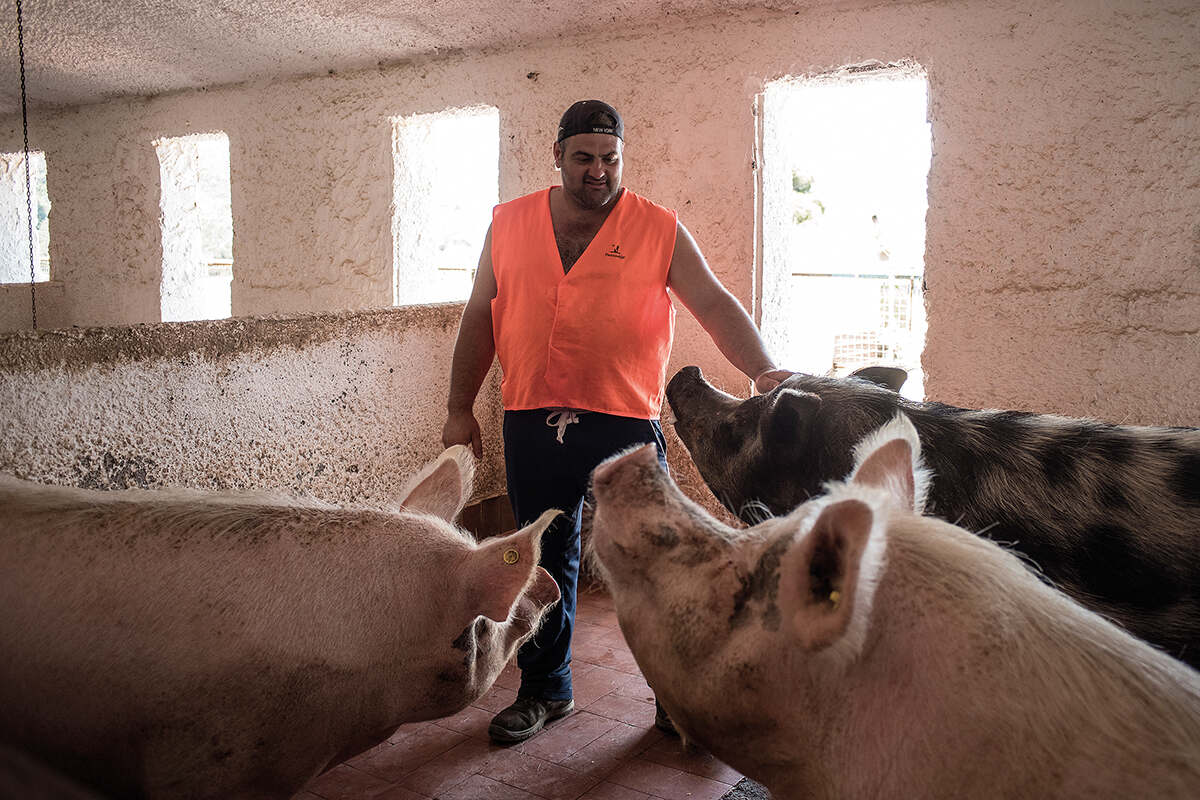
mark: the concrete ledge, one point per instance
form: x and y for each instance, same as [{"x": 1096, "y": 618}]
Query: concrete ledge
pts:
[{"x": 344, "y": 407}]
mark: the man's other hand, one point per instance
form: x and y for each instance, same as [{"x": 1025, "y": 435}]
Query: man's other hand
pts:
[{"x": 462, "y": 428}]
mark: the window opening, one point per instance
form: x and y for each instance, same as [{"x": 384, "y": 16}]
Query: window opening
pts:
[
  {"x": 14, "y": 207},
  {"x": 845, "y": 161},
  {"x": 447, "y": 179},
  {"x": 197, "y": 227}
]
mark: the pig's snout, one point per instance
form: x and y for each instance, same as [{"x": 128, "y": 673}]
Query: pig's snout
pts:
[
  {"x": 624, "y": 471},
  {"x": 693, "y": 400},
  {"x": 542, "y": 593},
  {"x": 686, "y": 379}
]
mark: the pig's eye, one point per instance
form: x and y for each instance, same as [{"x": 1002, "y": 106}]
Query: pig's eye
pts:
[{"x": 725, "y": 436}]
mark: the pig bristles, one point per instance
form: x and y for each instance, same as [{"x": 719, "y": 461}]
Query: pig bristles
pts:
[
  {"x": 754, "y": 512},
  {"x": 1010, "y": 548},
  {"x": 900, "y": 427},
  {"x": 590, "y": 564}
]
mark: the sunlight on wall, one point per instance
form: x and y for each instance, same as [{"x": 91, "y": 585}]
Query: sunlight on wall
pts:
[
  {"x": 14, "y": 218},
  {"x": 197, "y": 227},
  {"x": 846, "y": 158},
  {"x": 447, "y": 178}
]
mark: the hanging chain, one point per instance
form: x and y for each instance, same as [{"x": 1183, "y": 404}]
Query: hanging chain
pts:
[{"x": 28, "y": 181}]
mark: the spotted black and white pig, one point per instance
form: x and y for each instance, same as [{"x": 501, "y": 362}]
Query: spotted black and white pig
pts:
[
  {"x": 856, "y": 649},
  {"x": 1108, "y": 513},
  {"x": 23, "y": 778},
  {"x": 190, "y": 645}
]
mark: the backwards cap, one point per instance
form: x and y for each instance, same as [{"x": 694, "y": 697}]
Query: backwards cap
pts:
[{"x": 590, "y": 116}]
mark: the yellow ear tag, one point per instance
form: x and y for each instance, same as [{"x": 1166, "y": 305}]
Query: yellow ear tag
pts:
[
  {"x": 835, "y": 597},
  {"x": 511, "y": 556}
]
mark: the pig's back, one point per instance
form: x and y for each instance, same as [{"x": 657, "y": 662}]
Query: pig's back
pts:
[
  {"x": 182, "y": 564},
  {"x": 140, "y": 588},
  {"x": 1068, "y": 703},
  {"x": 1109, "y": 513},
  {"x": 127, "y": 613}
]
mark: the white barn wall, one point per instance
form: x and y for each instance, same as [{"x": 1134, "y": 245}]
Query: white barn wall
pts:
[{"x": 1063, "y": 254}]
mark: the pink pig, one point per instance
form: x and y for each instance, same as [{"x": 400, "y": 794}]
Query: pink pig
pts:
[
  {"x": 856, "y": 649},
  {"x": 188, "y": 645}
]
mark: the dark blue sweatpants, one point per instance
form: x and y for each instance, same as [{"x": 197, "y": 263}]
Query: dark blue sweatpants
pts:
[{"x": 544, "y": 473}]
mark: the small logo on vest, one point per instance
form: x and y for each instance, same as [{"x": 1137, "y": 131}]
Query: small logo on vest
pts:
[{"x": 615, "y": 252}]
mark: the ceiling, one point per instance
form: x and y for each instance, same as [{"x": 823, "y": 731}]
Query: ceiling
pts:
[{"x": 86, "y": 51}]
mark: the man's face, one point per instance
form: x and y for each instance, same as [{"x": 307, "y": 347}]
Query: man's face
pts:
[{"x": 591, "y": 168}]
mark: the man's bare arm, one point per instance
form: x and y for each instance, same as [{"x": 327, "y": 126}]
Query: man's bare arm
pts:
[
  {"x": 720, "y": 313},
  {"x": 473, "y": 353}
]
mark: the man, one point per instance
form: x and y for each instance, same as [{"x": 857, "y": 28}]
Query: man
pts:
[{"x": 571, "y": 293}]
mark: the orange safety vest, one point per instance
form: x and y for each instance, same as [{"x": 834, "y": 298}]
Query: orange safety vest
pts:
[{"x": 598, "y": 337}]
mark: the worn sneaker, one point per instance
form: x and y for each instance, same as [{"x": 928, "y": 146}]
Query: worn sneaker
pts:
[
  {"x": 662, "y": 720},
  {"x": 526, "y": 717}
]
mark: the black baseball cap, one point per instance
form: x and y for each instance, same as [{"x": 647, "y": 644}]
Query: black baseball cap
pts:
[{"x": 590, "y": 116}]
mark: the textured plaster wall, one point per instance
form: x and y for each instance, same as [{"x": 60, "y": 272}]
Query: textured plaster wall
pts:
[
  {"x": 1063, "y": 250},
  {"x": 1063, "y": 259},
  {"x": 331, "y": 406}
]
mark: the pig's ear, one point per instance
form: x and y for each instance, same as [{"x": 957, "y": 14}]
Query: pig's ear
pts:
[
  {"x": 501, "y": 568},
  {"x": 788, "y": 415},
  {"x": 887, "y": 377},
  {"x": 442, "y": 488},
  {"x": 828, "y": 579},
  {"x": 890, "y": 459}
]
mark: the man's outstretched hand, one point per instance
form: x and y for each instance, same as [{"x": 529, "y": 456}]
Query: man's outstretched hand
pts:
[{"x": 768, "y": 380}]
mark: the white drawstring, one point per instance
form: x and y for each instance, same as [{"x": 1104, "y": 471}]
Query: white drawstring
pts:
[{"x": 560, "y": 418}]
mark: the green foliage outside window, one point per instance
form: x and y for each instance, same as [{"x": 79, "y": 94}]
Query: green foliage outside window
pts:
[{"x": 804, "y": 204}]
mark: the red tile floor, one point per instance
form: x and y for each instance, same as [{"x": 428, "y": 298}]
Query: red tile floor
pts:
[{"x": 608, "y": 749}]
